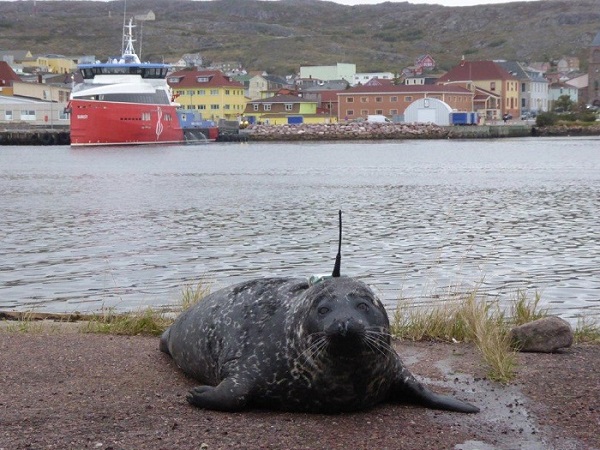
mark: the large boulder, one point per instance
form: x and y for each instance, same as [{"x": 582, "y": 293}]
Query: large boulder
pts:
[{"x": 545, "y": 335}]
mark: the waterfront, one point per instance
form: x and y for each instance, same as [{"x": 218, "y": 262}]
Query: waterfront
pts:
[{"x": 86, "y": 229}]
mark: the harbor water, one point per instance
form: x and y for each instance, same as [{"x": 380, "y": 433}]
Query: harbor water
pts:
[{"x": 88, "y": 229}]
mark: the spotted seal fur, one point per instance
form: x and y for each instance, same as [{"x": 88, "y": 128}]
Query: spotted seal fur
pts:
[{"x": 287, "y": 344}]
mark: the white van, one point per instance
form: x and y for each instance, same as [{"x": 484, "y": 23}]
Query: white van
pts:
[{"x": 377, "y": 118}]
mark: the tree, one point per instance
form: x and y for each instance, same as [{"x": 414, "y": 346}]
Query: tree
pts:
[{"x": 564, "y": 103}]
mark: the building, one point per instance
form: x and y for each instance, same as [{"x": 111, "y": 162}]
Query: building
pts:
[
  {"x": 264, "y": 86},
  {"x": 7, "y": 78},
  {"x": 284, "y": 109},
  {"x": 533, "y": 87},
  {"x": 208, "y": 92},
  {"x": 364, "y": 78},
  {"x": 496, "y": 91},
  {"x": 557, "y": 90},
  {"x": 341, "y": 71},
  {"x": 593, "y": 90},
  {"x": 392, "y": 100}
]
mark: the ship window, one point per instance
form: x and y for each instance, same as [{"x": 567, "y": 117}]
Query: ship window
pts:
[
  {"x": 167, "y": 117},
  {"x": 146, "y": 116}
]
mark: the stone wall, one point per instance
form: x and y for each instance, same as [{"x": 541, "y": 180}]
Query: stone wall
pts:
[{"x": 344, "y": 131}]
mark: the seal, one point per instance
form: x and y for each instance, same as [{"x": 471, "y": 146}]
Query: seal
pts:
[
  {"x": 294, "y": 345},
  {"x": 281, "y": 343}
]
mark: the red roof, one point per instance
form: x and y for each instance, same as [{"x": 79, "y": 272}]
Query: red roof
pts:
[
  {"x": 201, "y": 79},
  {"x": 7, "y": 75},
  {"x": 476, "y": 71}
]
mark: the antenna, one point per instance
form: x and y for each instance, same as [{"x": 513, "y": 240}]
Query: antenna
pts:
[{"x": 338, "y": 258}]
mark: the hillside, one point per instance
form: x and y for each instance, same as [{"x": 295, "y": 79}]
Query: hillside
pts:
[{"x": 281, "y": 36}]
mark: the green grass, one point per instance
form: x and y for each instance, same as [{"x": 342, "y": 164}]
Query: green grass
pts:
[
  {"x": 587, "y": 331},
  {"x": 470, "y": 318},
  {"x": 150, "y": 321}
]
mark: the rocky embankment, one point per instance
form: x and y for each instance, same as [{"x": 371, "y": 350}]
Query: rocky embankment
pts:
[{"x": 345, "y": 131}]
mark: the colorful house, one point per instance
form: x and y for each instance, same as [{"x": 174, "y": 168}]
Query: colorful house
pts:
[
  {"x": 496, "y": 91},
  {"x": 284, "y": 109},
  {"x": 208, "y": 92}
]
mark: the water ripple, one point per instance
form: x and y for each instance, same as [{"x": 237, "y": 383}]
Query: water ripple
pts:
[{"x": 123, "y": 228}]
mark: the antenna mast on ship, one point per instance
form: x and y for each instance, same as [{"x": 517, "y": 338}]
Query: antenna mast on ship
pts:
[{"x": 124, "y": 24}]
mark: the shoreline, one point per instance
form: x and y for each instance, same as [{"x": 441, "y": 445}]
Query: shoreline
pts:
[{"x": 362, "y": 131}]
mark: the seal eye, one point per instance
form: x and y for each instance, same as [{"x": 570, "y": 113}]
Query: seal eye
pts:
[
  {"x": 323, "y": 310},
  {"x": 363, "y": 306}
]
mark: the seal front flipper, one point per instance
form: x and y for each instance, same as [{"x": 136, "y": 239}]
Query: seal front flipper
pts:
[
  {"x": 407, "y": 389},
  {"x": 228, "y": 395}
]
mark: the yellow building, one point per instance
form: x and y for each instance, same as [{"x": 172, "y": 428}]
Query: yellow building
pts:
[
  {"x": 285, "y": 109},
  {"x": 52, "y": 64},
  {"x": 208, "y": 92},
  {"x": 496, "y": 90}
]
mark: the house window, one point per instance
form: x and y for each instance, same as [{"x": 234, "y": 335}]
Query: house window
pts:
[
  {"x": 379, "y": 112},
  {"x": 393, "y": 112},
  {"x": 214, "y": 92},
  {"x": 394, "y": 99},
  {"x": 350, "y": 112},
  {"x": 8, "y": 115},
  {"x": 28, "y": 115},
  {"x": 201, "y": 106},
  {"x": 203, "y": 79},
  {"x": 226, "y": 91},
  {"x": 267, "y": 107},
  {"x": 364, "y": 99},
  {"x": 288, "y": 106},
  {"x": 364, "y": 112},
  {"x": 190, "y": 107},
  {"x": 350, "y": 100},
  {"x": 202, "y": 92},
  {"x": 492, "y": 86},
  {"x": 190, "y": 92},
  {"x": 214, "y": 107},
  {"x": 378, "y": 99},
  {"x": 226, "y": 107},
  {"x": 408, "y": 98},
  {"x": 255, "y": 107}
]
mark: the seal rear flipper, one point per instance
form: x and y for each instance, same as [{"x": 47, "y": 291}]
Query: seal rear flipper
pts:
[
  {"x": 226, "y": 396},
  {"x": 164, "y": 342},
  {"x": 409, "y": 390}
]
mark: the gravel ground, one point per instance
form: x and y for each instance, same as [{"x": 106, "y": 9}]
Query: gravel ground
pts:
[{"x": 65, "y": 390}]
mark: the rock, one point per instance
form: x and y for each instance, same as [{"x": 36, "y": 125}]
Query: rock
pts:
[{"x": 544, "y": 335}]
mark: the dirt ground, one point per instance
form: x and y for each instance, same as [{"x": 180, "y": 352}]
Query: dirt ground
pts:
[{"x": 67, "y": 390}]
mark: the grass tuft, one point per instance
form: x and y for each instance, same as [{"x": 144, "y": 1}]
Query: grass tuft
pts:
[
  {"x": 587, "y": 331},
  {"x": 470, "y": 318},
  {"x": 149, "y": 321},
  {"x": 145, "y": 322}
]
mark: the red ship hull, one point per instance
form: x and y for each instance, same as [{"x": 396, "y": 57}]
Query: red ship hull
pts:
[{"x": 115, "y": 123}]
